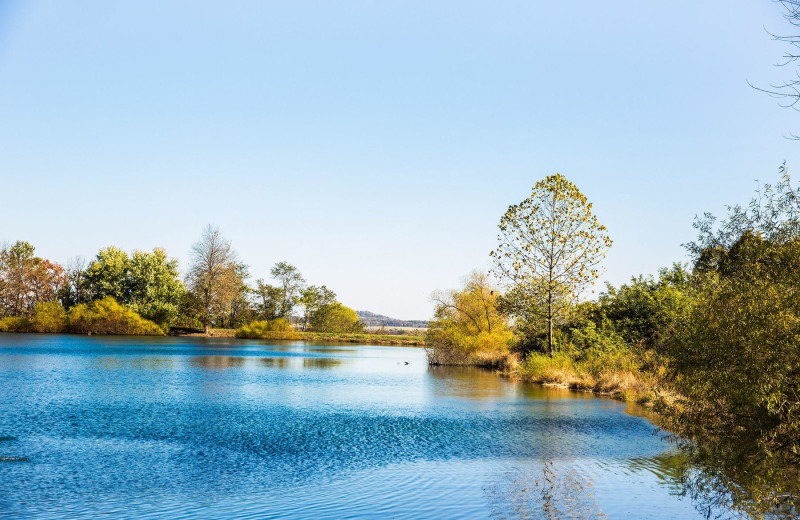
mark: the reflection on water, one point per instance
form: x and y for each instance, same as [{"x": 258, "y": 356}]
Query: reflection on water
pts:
[
  {"x": 226, "y": 428},
  {"x": 554, "y": 493},
  {"x": 214, "y": 362},
  {"x": 300, "y": 362}
]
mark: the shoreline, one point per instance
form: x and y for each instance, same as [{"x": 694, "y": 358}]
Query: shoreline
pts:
[{"x": 334, "y": 337}]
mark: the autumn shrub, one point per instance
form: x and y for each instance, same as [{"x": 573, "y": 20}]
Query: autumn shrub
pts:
[
  {"x": 468, "y": 328},
  {"x": 590, "y": 358},
  {"x": 49, "y": 317},
  {"x": 15, "y": 324},
  {"x": 279, "y": 328},
  {"x": 450, "y": 346},
  {"x": 106, "y": 316}
]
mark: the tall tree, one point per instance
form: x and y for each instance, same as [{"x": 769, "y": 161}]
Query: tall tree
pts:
[
  {"x": 291, "y": 282},
  {"x": 268, "y": 300},
  {"x": 214, "y": 276},
  {"x": 316, "y": 302},
  {"x": 107, "y": 275},
  {"x": 154, "y": 286},
  {"x": 75, "y": 290},
  {"x": 26, "y": 279},
  {"x": 550, "y": 247},
  {"x": 240, "y": 308}
]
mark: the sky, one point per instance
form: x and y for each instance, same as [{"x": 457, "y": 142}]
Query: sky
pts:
[{"x": 375, "y": 145}]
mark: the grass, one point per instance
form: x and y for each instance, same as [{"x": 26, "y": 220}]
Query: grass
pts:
[{"x": 617, "y": 375}]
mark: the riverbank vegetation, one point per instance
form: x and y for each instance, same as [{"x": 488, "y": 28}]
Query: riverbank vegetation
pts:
[
  {"x": 714, "y": 345},
  {"x": 143, "y": 293}
]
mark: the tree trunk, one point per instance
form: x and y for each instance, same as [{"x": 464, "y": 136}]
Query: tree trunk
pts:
[
  {"x": 550, "y": 324},
  {"x": 205, "y": 327}
]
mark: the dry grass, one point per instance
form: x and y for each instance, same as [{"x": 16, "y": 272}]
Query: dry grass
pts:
[{"x": 608, "y": 376}]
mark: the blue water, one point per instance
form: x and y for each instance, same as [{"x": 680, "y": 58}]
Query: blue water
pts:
[{"x": 216, "y": 428}]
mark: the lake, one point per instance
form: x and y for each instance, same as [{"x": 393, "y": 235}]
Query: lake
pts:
[{"x": 222, "y": 428}]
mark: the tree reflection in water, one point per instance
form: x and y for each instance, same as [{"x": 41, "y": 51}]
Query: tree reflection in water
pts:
[
  {"x": 734, "y": 482},
  {"x": 552, "y": 495},
  {"x": 730, "y": 476}
]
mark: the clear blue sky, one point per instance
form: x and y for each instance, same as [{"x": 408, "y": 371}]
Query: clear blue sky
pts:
[{"x": 376, "y": 144}]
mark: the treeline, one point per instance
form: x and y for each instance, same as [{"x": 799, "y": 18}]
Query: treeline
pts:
[
  {"x": 144, "y": 293},
  {"x": 714, "y": 345},
  {"x": 370, "y": 319}
]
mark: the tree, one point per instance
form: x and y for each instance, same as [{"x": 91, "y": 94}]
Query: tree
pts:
[
  {"x": 645, "y": 310},
  {"x": 468, "y": 327},
  {"x": 550, "y": 247},
  {"x": 214, "y": 277},
  {"x": 735, "y": 359},
  {"x": 107, "y": 275},
  {"x": 26, "y": 279},
  {"x": 268, "y": 300},
  {"x": 154, "y": 288},
  {"x": 279, "y": 301},
  {"x": 75, "y": 289},
  {"x": 316, "y": 302},
  {"x": 788, "y": 91},
  {"x": 239, "y": 310},
  {"x": 335, "y": 317},
  {"x": 147, "y": 282},
  {"x": 291, "y": 283}
]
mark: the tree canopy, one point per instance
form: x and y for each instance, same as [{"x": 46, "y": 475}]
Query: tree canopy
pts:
[{"x": 550, "y": 247}]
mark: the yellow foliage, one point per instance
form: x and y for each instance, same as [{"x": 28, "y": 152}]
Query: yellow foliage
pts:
[
  {"x": 468, "y": 329},
  {"x": 15, "y": 324},
  {"x": 49, "y": 317},
  {"x": 279, "y": 328},
  {"x": 106, "y": 316}
]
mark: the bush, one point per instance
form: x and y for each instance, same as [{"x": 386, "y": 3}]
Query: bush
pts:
[
  {"x": 451, "y": 346},
  {"x": 590, "y": 358},
  {"x": 14, "y": 324},
  {"x": 468, "y": 328},
  {"x": 49, "y": 317},
  {"x": 279, "y": 328},
  {"x": 106, "y": 316},
  {"x": 336, "y": 318},
  {"x": 612, "y": 373}
]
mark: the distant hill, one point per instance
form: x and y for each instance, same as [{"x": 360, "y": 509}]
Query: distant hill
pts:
[{"x": 370, "y": 319}]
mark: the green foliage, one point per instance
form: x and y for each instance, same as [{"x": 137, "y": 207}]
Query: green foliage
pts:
[
  {"x": 735, "y": 356},
  {"x": 645, "y": 311},
  {"x": 316, "y": 302},
  {"x": 468, "y": 328},
  {"x": 107, "y": 275},
  {"x": 265, "y": 329},
  {"x": 290, "y": 283},
  {"x": 106, "y": 316},
  {"x": 268, "y": 300},
  {"x": 279, "y": 301},
  {"x": 49, "y": 317},
  {"x": 154, "y": 286},
  {"x": 335, "y": 317},
  {"x": 147, "y": 282}
]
